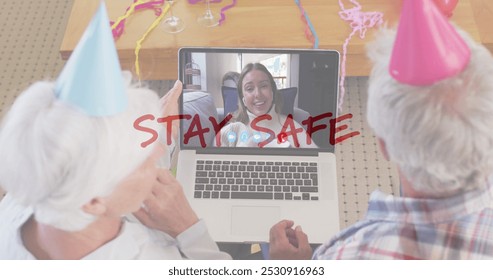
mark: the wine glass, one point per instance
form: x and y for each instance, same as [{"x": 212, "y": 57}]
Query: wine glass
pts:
[
  {"x": 208, "y": 19},
  {"x": 172, "y": 23}
]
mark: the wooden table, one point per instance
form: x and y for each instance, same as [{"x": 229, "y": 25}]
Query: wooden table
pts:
[
  {"x": 256, "y": 24},
  {"x": 483, "y": 14}
]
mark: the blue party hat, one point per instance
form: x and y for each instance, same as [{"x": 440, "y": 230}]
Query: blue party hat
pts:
[{"x": 92, "y": 78}]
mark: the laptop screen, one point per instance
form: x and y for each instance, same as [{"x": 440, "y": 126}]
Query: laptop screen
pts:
[{"x": 254, "y": 99}]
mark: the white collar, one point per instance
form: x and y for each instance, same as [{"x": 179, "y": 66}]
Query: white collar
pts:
[{"x": 272, "y": 112}]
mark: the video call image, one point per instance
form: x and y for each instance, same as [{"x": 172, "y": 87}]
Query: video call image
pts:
[{"x": 258, "y": 98}]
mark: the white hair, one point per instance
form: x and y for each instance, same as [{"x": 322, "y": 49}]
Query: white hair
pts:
[
  {"x": 441, "y": 135},
  {"x": 55, "y": 158}
]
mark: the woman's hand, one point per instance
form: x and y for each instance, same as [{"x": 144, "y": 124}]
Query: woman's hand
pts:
[
  {"x": 167, "y": 208},
  {"x": 287, "y": 243},
  {"x": 169, "y": 106}
]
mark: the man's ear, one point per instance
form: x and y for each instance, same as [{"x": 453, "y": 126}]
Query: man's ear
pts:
[
  {"x": 96, "y": 207},
  {"x": 383, "y": 148}
]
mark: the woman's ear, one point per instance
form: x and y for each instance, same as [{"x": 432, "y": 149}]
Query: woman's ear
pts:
[
  {"x": 383, "y": 148},
  {"x": 96, "y": 207}
]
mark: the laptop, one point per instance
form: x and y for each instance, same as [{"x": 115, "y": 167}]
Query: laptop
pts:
[{"x": 241, "y": 191}]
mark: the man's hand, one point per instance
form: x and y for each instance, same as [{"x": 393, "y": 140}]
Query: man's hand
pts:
[
  {"x": 167, "y": 208},
  {"x": 287, "y": 243}
]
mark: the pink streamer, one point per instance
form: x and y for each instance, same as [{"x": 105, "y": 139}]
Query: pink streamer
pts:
[
  {"x": 224, "y": 9},
  {"x": 360, "y": 22},
  {"x": 193, "y": 2},
  {"x": 118, "y": 30}
]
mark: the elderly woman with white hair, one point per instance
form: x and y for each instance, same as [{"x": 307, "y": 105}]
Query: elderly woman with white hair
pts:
[
  {"x": 74, "y": 168},
  {"x": 436, "y": 126},
  {"x": 73, "y": 180}
]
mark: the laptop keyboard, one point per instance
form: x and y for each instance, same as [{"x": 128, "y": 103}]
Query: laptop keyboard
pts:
[{"x": 281, "y": 180}]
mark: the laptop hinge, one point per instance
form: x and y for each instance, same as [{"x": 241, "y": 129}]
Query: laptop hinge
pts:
[{"x": 264, "y": 151}]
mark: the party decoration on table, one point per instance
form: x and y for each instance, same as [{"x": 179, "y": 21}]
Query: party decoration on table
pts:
[
  {"x": 446, "y": 6},
  {"x": 119, "y": 25},
  {"x": 310, "y": 32},
  {"x": 142, "y": 39},
  {"x": 427, "y": 47},
  {"x": 223, "y": 11},
  {"x": 360, "y": 22},
  {"x": 92, "y": 78},
  {"x": 193, "y": 2}
]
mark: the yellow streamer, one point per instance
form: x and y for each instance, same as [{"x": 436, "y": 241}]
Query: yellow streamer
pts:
[
  {"x": 141, "y": 40},
  {"x": 127, "y": 14}
]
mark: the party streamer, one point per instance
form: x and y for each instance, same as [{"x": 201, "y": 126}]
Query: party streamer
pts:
[
  {"x": 142, "y": 39},
  {"x": 360, "y": 22},
  {"x": 310, "y": 33},
  {"x": 119, "y": 25},
  {"x": 193, "y": 2},
  {"x": 223, "y": 11}
]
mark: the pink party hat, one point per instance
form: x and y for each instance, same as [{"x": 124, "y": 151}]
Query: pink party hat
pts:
[
  {"x": 427, "y": 47},
  {"x": 92, "y": 78}
]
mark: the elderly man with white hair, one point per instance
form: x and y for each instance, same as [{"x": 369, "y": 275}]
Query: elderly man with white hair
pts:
[
  {"x": 430, "y": 105},
  {"x": 74, "y": 168}
]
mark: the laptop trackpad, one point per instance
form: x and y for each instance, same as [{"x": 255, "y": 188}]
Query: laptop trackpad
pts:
[{"x": 254, "y": 220}]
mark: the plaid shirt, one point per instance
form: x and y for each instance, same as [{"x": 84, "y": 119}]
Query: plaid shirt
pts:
[{"x": 457, "y": 227}]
